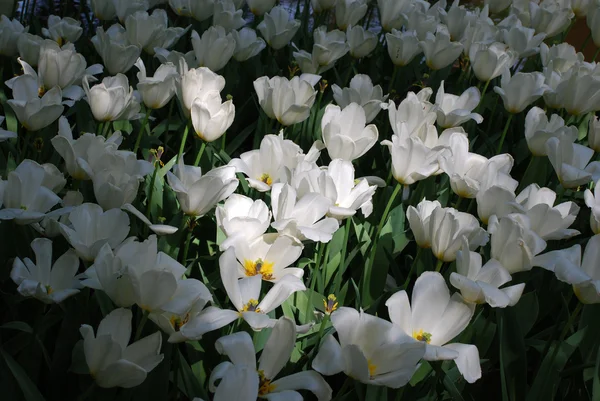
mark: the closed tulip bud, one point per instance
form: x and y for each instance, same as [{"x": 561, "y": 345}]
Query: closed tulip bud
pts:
[
  {"x": 198, "y": 193},
  {"x": 513, "y": 243},
  {"x": 520, "y": 90},
  {"x": 227, "y": 16},
  {"x": 457, "y": 19},
  {"x": 113, "y": 363},
  {"x": 439, "y": 51},
  {"x": 570, "y": 161},
  {"x": 112, "y": 99},
  {"x": 489, "y": 61},
  {"x": 62, "y": 30},
  {"x": 60, "y": 67},
  {"x": 393, "y": 13},
  {"x": 349, "y": 12},
  {"x": 360, "y": 41},
  {"x": 211, "y": 117},
  {"x": 200, "y": 10},
  {"x": 402, "y": 46},
  {"x": 247, "y": 44},
  {"x": 158, "y": 90},
  {"x": 214, "y": 49},
  {"x": 453, "y": 110},
  {"x": 195, "y": 82},
  {"x": 260, "y": 7},
  {"x": 329, "y": 46},
  {"x": 362, "y": 92},
  {"x": 288, "y": 101},
  {"x": 33, "y": 112},
  {"x": 538, "y": 129},
  {"x": 10, "y": 30},
  {"x": 149, "y": 31},
  {"x": 118, "y": 55},
  {"x": 277, "y": 28},
  {"x": 593, "y": 21},
  {"x": 345, "y": 134},
  {"x": 550, "y": 18},
  {"x": 242, "y": 217},
  {"x": 29, "y": 48},
  {"x": 418, "y": 219},
  {"x": 49, "y": 285},
  {"x": 447, "y": 228}
]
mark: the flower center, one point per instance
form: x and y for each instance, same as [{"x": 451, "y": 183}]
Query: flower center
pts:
[
  {"x": 252, "y": 268},
  {"x": 251, "y": 306},
  {"x": 264, "y": 385},
  {"x": 41, "y": 91},
  {"x": 330, "y": 304},
  {"x": 49, "y": 290},
  {"x": 372, "y": 368},
  {"x": 177, "y": 322},
  {"x": 266, "y": 178},
  {"x": 422, "y": 336}
]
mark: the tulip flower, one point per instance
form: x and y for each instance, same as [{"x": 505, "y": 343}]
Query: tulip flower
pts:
[
  {"x": 344, "y": 132},
  {"x": 113, "y": 363},
  {"x": 211, "y": 117},
  {"x": 329, "y": 46},
  {"x": 104, "y": 10},
  {"x": 414, "y": 117},
  {"x": 393, "y": 13},
  {"x": 10, "y": 30},
  {"x": 538, "y": 129},
  {"x": 489, "y": 61},
  {"x": 128, "y": 8},
  {"x": 247, "y": 44},
  {"x": 179, "y": 60},
  {"x": 135, "y": 273},
  {"x": 402, "y": 46},
  {"x": 578, "y": 91},
  {"x": 33, "y": 112},
  {"x": 39, "y": 280},
  {"x": 480, "y": 284},
  {"x": 111, "y": 100},
  {"x": 362, "y": 92},
  {"x": 260, "y": 380},
  {"x": 360, "y": 41},
  {"x": 513, "y": 243},
  {"x": 453, "y": 110},
  {"x": 421, "y": 23},
  {"x": 200, "y": 10},
  {"x": 570, "y": 162},
  {"x": 349, "y": 12},
  {"x": 227, "y": 16},
  {"x": 25, "y": 198},
  {"x": 29, "y": 48},
  {"x": 197, "y": 193},
  {"x": 90, "y": 228},
  {"x": 569, "y": 267},
  {"x": 188, "y": 301},
  {"x": 412, "y": 161},
  {"x": 288, "y": 101},
  {"x": 260, "y": 7},
  {"x": 150, "y": 30},
  {"x": 458, "y": 19},
  {"x": 523, "y": 40},
  {"x": 243, "y": 217},
  {"x": 462, "y": 167},
  {"x": 593, "y": 135},
  {"x": 419, "y": 220},
  {"x": 496, "y": 188},
  {"x": 370, "y": 350},
  {"x": 244, "y": 295},
  {"x": 550, "y": 18},
  {"x": 560, "y": 57},
  {"x": 214, "y": 49},
  {"x": 196, "y": 82},
  {"x": 434, "y": 318},
  {"x": 520, "y": 90},
  {"x": 4, "y": 134},
  {"x": 593, "y": 21},
  {"x": 268, "y": 256},
  {"x": 439, "y": 51},
  {"x": 303, "y": 218},
  {"x": 593, "y": 202},
  {"x": 158, "y": 90},
  {"x": 118, "y": 55},
  {"x": 277, "y": 29},
  {"x": 497, "y": 6},
  {"x": 62, "y": 30},
  {"x": 447, "y": 228}
]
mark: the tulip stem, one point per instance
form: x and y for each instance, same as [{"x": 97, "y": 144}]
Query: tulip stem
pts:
[
  {"x": 585, "y": 42},
  {"x": 150, "y": 196},
  {"x": 341, "y": 268},
  {"x": 105, "y": 129},
  {"x": 142, "y": 128},
  {"x": 596, "y": 55},
  {"x": 138, "y": 331},
  {"x": 199, "y": 155},
  {"x": 393, "y": 80},
  {"x": 412, "y": 267},
  {"x": 183, "y": 139},
  {"x": 510, "y": 117},
  {"x": 439, "y": 265},
  {"x": 25, "y": 142}
]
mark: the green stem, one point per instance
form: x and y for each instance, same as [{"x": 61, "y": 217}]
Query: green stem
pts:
[
  {"x": 510, "y": 117},
  {"x": 439, "y": 265},
  {"x": 23, "y": 152},
  {"x": 393, "y": 80},
  {"x": 105, "y": 129},
  {"x": 150, "y": 196},
  {"x": 183, "y": 139},
  {"x": 502, "y": 367},
  {"x": 341, "y": 268},
  {"x": 141, "y": 133},
  {"x": 138, "y": 332},
  {"x": 343, "y": 389},
  {"x": 458, "y": 202},
  {"x": 186, "y": 247},
  {"x": 585, "y": 42},
  {"x": 596, "y": 55},
  {"x": 412, "y": 267},
  {"x": 199, "y": 155}
]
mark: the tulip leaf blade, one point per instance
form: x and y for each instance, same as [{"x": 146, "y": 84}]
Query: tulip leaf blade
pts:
[{"x": 28, "y": 387}]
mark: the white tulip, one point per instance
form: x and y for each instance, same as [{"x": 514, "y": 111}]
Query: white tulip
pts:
[
  {"x": 412, "y": 161},
  {"x": 402, "y": 46},
  {"x": 29, "y": 48},
  {"x": 361, "y": 42},
  {"x": 196, "y": 82},
  {"x": 214, "y": 49},
  {"x": 124, "y": 9},
  {"x": 247, "y": 44},
  {"x": 560, "y": 57},
  {"x": 150, "y": 30},
  {"x": 453, "y": 110},
  {"x": 211, "y": 117},
  {"x": 200, "y": 10},
  {"x": 260, "y": 7},
  {"x": 538, "y": 129},
  {"x": 10, "y": 30},
  {"x": 62, "y": 29},
  {"x": 415, "y": 116},
  {"x": 118, "y": 55},
  {"x": 520, "y": 90},
  {"x": 419, "y": 218},
  {"x": 39, "y": 280},
  {"x": 240, "y": 216},
  {"x": 227, "y": 16},
  {"x": 393, "y": 13},
  {"x": 490, "y": 60},
  {"x": 104, "y": 10},
  {"x": 593, "y": 21},
  {"x": 523, "y": 40},
  {"x": 570, "y": 161},
  {"x": 362, "y": 92},
  {"x": 277, "y": 29},
  {"x": 349, "y": 12},
  {"x": 439, "y": 51},
  {"x": 344, "y": 132}
]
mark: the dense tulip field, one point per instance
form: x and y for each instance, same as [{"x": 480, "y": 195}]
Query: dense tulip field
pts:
[{"x": 365, "y": 200}]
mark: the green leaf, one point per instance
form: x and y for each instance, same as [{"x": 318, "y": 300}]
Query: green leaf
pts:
[
  {"x": 28, "y": 387},
  {"x": 78, "y": 362},
  {"x": 21, "y": 326},
  {"x": 526, "y": 312}
]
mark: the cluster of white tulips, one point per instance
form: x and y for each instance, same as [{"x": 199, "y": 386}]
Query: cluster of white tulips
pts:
[{"x": 203, "y": 227}]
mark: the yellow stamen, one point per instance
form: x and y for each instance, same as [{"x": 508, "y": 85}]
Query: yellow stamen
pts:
[
  {"x": 372, "y": 368},
  {"x": 252, "y": 268},
  {"x": 330, "y": 304},
  {"x": 264, "y": 386},
  {"x": 251, "y": 306},
  {"x": 49, "y": 290},
  {"x": 177, "y": 322},
  {"x": 422, "y": 336},
  {"x": 266, "y": 178},
  {"x": 41, "y": 91}
]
